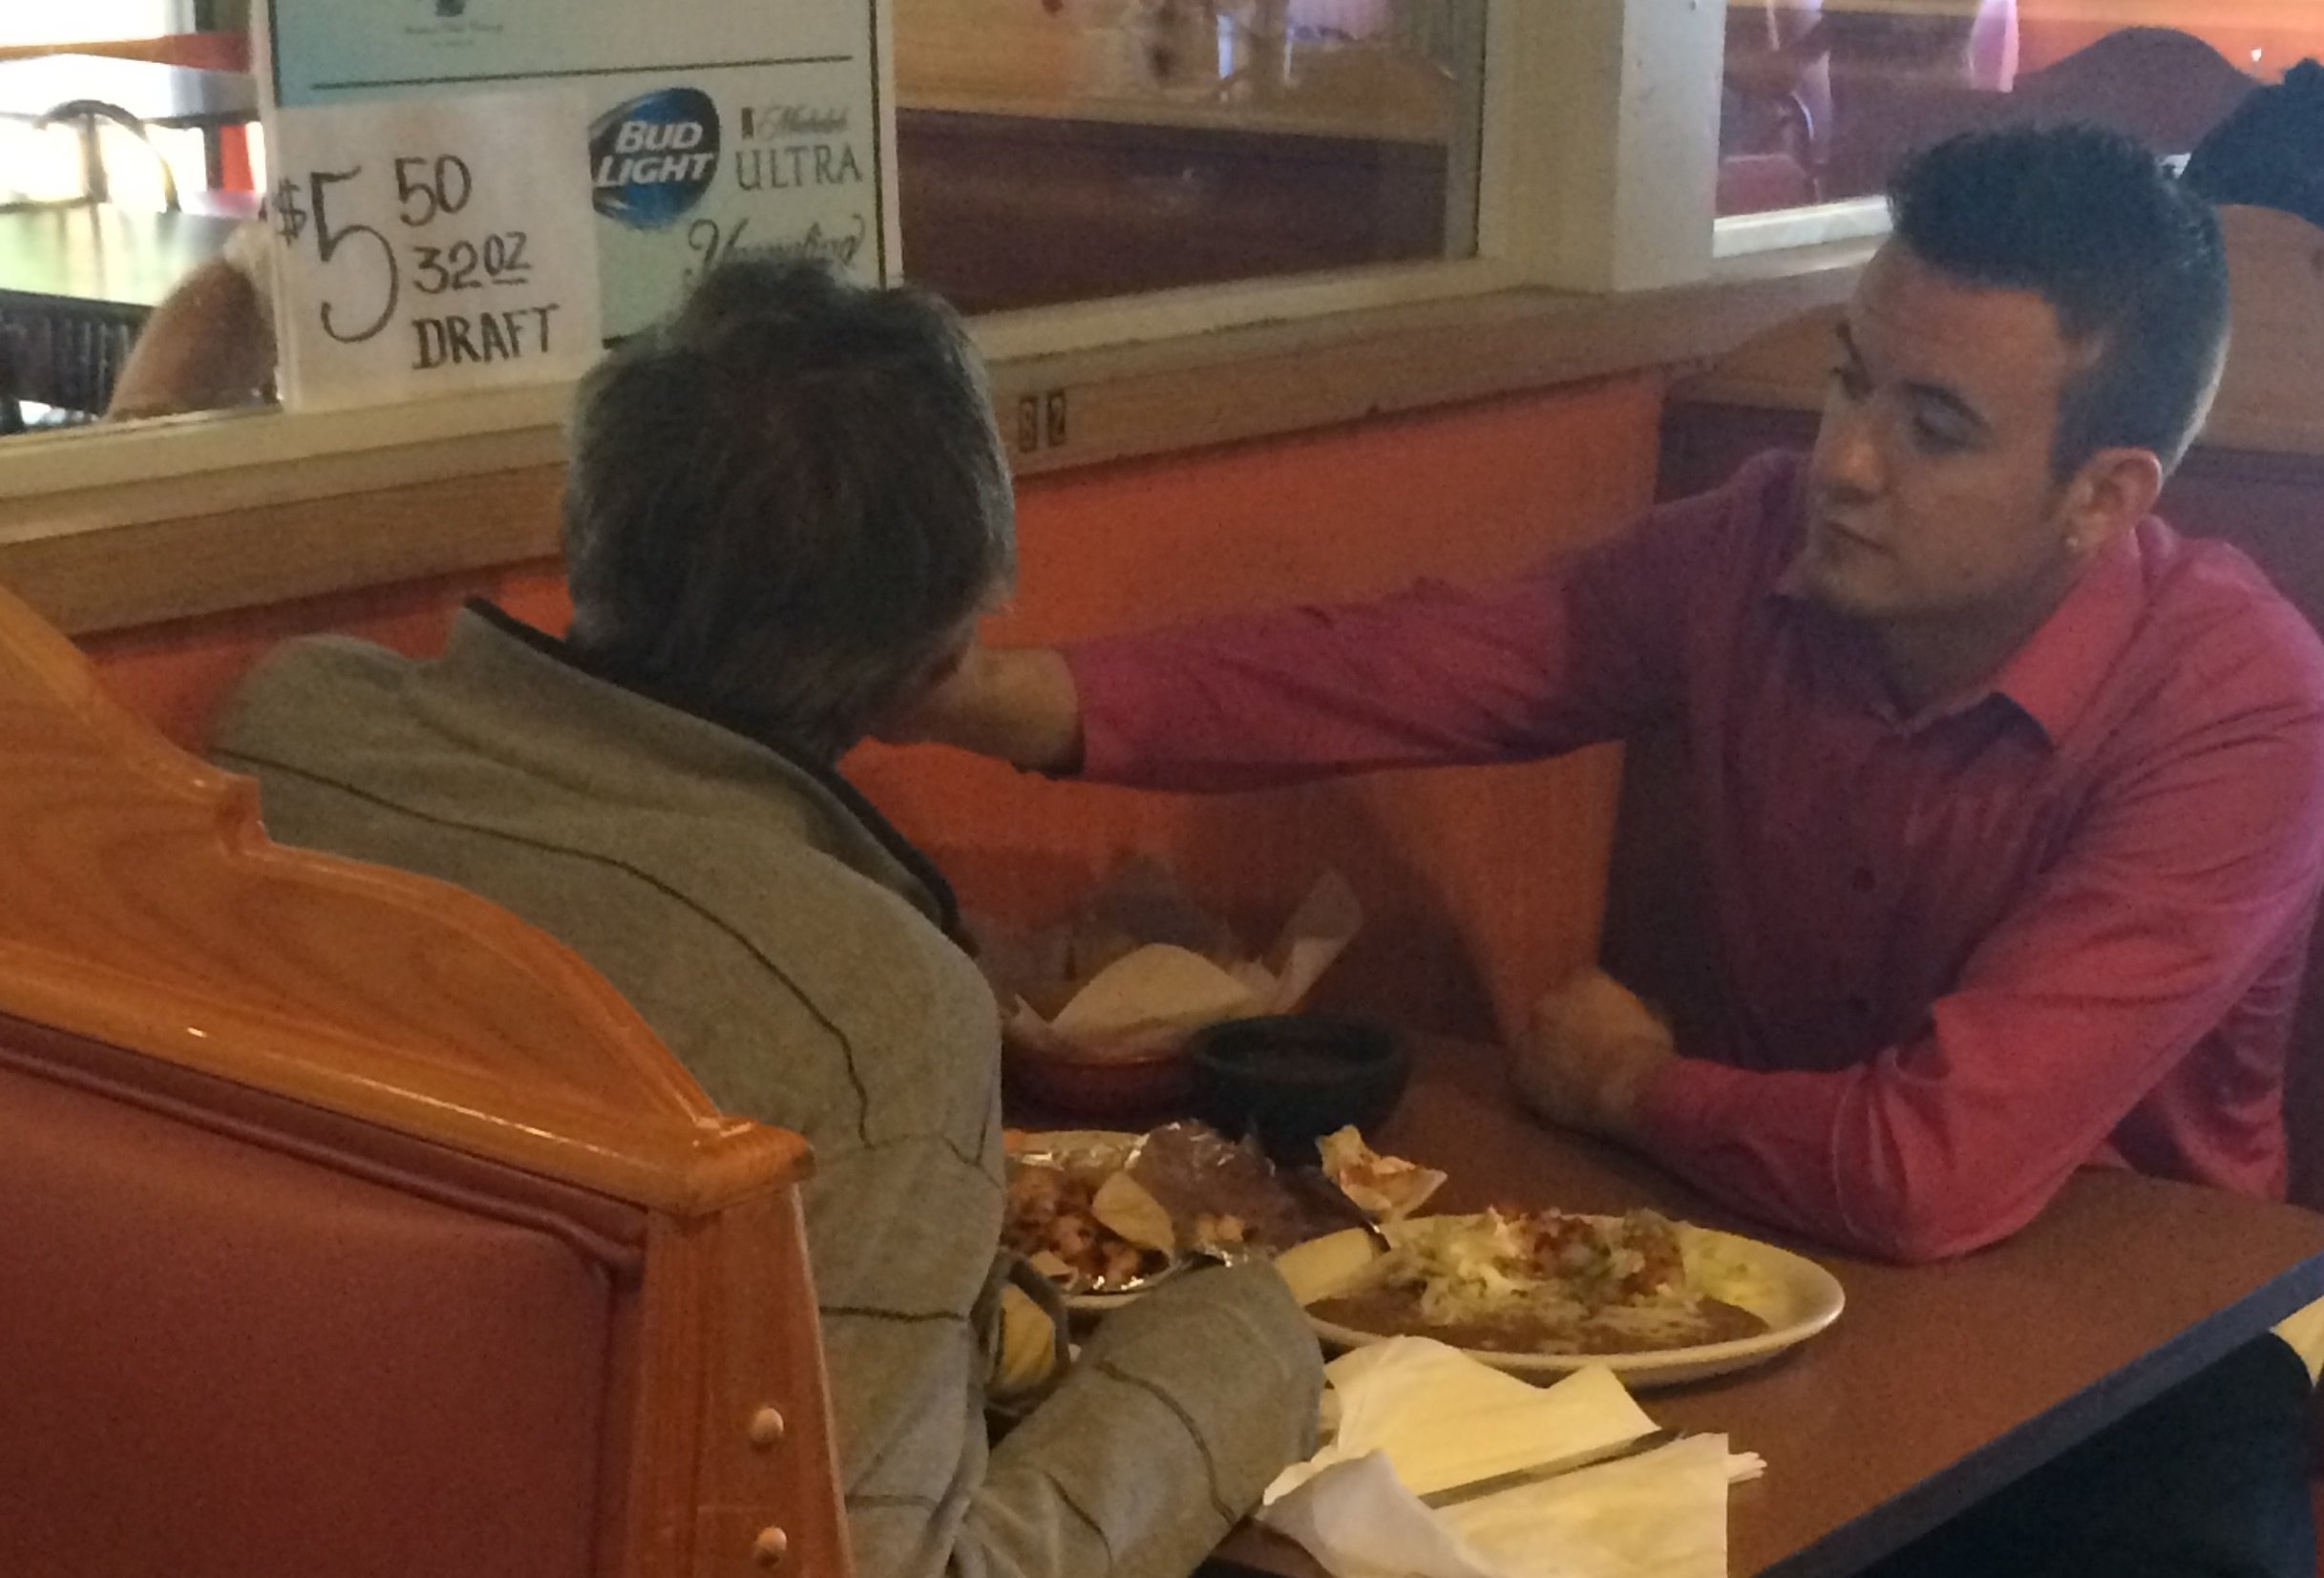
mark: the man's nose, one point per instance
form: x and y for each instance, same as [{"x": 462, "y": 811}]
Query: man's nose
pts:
[{"x": 1848, "y": 457}]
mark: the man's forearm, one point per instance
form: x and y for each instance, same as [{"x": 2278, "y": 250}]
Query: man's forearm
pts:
[{"x": 1148, "y": 1454}]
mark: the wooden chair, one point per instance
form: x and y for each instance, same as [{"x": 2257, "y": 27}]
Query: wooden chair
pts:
[
  {"x": 352, "y": 1225},
  {"x": 87, "y": 117}
]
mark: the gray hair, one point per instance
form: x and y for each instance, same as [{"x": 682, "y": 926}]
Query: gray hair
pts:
[{"x": 785, "y": 500}]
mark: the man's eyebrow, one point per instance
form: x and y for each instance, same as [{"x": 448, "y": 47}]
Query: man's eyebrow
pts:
[{"x": 1937, "y": 394}]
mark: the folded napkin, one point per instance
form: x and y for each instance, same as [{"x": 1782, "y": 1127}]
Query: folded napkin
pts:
[{"x": 1419, "y": 1419}]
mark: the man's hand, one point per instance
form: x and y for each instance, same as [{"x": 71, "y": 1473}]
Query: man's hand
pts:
[
  {"x": 1591, "y": 1051},
  {"x": 1015, "y": 702}
]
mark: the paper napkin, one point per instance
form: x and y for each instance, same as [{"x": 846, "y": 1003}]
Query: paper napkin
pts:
[{"x": 1418, "y": 1418}]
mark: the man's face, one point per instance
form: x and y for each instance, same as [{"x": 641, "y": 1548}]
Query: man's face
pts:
[{"x": 1931, "y": 501}]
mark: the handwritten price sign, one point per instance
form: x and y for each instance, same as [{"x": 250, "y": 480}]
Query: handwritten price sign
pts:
[{"x": 433, "y": 245}]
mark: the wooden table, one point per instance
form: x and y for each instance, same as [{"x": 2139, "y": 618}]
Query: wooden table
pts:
[{"x": 1940, "y": 1384}]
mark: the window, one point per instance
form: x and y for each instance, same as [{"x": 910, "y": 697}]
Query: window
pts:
[
  {"x": 1821, "y": 98},
  {"x": 1146, "y": 172},
  {"x": 1062, "y": 150},
  {"x": 99, "y": 140}
]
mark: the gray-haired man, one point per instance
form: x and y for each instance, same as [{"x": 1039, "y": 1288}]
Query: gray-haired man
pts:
[{"x": 786, "y": 509}]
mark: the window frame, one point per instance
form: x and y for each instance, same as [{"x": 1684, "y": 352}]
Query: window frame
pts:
[{"x": 1788, "y": 229}]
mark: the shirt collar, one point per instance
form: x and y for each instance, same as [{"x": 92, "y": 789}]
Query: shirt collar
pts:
[
  {"x": 2056, "y": 674},
  {"x": 2053, "y": 675}
]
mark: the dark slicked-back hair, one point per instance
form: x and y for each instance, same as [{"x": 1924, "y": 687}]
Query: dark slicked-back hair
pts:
[
  {"x": 2270, "y": 151},
  {"x": 2129, "y": 259},
  {"x": 785, "y": 500}
]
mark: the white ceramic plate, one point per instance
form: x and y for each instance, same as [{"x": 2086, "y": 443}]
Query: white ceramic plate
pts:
[
  {"x": 1794, "y": 1296},
  {"x": 1098, "y": 1147}
]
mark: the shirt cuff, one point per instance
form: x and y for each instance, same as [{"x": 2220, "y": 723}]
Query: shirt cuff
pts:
[
  {"x": 1108, "y": 684},
  {"x": 1676, "y": 1111}
]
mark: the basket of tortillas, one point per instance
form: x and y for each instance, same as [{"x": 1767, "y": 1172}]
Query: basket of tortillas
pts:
[{"x": 1096, "y": 1012}]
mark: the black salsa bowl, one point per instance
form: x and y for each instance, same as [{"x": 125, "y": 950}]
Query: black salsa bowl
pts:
[{"x": 1291, "y": 1079}]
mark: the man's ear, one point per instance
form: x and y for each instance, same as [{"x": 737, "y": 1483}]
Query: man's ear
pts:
[{"x": 2114, "y": 491}]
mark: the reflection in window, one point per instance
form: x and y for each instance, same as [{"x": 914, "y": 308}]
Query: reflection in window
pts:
[
  {"x": 45, "y": 164},
  {"x": 1060, "y": 150},
  {"x": 127, "y": 175},
  {"x": 1822, "y": 98}
]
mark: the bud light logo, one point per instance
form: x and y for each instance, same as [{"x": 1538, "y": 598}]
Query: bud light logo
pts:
[{"x": 652, "y": 158}]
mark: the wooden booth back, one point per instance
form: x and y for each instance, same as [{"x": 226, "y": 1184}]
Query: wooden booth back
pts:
[{"x": 350, "y": 1225}]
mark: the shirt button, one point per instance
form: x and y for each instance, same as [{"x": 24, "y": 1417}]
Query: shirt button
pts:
[
  {"x": 1861, "y": 880},
  {"x": 1860, "y": 1005}
]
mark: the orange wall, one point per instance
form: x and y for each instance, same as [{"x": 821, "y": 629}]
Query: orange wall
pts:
[
  {"x": 178, "y": 674},
  {"x": 1482, "y": 885}
]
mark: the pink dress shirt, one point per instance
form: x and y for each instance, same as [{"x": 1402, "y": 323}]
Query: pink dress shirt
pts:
[{"x": 2055, "y": 920}]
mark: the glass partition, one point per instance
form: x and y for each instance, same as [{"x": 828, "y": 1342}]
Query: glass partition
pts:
[{"x": 1060, "y": 150}]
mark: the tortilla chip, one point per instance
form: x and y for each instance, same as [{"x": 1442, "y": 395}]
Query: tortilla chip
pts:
[
  {"x": 1157, "y": 988},
  {"x": 1387, "y": 1187},
  {"x": 1124, "y": 1205},
  {"x": 1324, "y": 1268}
]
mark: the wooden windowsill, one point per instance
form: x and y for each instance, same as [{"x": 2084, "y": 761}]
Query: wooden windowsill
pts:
[
  {"x": 1198, "y": 391},
  {"x": 110, "y": 530}
]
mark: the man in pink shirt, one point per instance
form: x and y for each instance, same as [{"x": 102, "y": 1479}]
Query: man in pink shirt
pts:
[{"x": 2012, "y": 800}]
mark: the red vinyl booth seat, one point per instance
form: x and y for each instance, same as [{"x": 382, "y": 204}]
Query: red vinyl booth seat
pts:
[{"x": 239, "y": 1335}]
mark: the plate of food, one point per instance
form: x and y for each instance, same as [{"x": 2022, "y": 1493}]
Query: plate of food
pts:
[
  {"x": 1107, "y": 1215},
  {"x": 1546, "y": 1291},
  {"x": 1081, "y": 1220}
]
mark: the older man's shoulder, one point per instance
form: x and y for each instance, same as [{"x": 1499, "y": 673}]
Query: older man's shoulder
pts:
[{"x": 306, "y": 686}]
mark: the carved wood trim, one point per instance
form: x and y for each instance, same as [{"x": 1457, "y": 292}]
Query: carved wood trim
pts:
[{"x": 142, "y": 904}]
